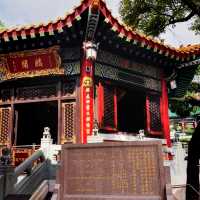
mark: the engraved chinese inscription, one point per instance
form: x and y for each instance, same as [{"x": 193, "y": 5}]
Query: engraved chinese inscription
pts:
[{"x": 120, "y": 171}]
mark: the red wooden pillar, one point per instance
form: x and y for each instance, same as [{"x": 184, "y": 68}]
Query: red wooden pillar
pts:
[
  {"x": 164, "y": 113},
  {"x": 148, "y": 117},
  {"x": 87, "y": 99},
  {"x": 100, "y": 104},
  {"x": 115, "y": 109},
  {"x": 157, "y": 114}
]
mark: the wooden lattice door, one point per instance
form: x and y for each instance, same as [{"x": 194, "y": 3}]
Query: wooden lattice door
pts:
[
  {"x": 107, "y": 107},
  {"x": 154, "y": 125},
  {"x": 5, "y": 128},
  {"x": 68, "y": 122}
]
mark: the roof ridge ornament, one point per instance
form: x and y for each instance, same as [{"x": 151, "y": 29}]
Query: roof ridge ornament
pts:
[
  {"x": 93, "y": 20},
  {"x": 95, "y": 5}
]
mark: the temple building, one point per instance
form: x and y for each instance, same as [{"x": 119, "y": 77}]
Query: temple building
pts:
[{"x": 84, "y": 70}]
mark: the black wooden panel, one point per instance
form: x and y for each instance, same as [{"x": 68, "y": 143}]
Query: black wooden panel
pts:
[
  {"x": 131, "y": 78},
  {"x": 115, "y": 60},
  {"x": 5, "y": 95},
  {"x": 127, "y": 76},
  {"x": 36, "y": 92},
  {"x": 70, "y": 54},
  {"x": 71, "y": 68},
  {"x": 70, "y": 60}
]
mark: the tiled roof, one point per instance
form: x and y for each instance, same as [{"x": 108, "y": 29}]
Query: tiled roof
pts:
[
  {"x": 123, "y": 31},
  {"x": 190, "y": 48},
  {"x": 50, "y": 27}
]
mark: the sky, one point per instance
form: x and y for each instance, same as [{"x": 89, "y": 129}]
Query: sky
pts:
[{"x": 22, "y": 12}]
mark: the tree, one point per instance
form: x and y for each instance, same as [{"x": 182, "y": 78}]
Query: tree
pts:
[
  {"x": 152, "y": 17},
  {"x": 181, "y": 108},
  {"x": 190, "y": 103}
]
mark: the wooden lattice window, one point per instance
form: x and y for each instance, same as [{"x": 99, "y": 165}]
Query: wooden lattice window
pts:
[
  {"x": 5, "y": 117},
  {"x": 154, "y": 115},
  {"x": 107, "y": 107},
  {"x": 68, "y": 122},
  {"x": 69, "y": 87}
]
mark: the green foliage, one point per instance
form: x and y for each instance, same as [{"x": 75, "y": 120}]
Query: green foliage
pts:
[
  {"x": 181, "y": 108},
  {"x": 185, "y": 139},
  {"x": 185, "y": 107},
  {"x": 191, "y": 101},
  {"x": 198, "y": 70},
  {"x": 153, "y": 16},
  {"x": 196, "y": 26},
  {"x": 189, "y": 131}
]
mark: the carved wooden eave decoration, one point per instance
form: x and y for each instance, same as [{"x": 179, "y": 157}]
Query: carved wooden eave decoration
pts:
[
  {"x": 93, "y": 19},
  {"x": 190, "y": 63}
]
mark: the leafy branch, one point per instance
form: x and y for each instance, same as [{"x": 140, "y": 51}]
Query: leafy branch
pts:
[{"x": 153, "y": 16}]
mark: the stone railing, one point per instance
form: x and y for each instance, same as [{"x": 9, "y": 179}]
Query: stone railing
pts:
[
  {"x": 28, "y": 184},
  {"x": 26, "y": 166},
  {"x": 22, "y": 152},
  {"x": 28, "y": 177}
]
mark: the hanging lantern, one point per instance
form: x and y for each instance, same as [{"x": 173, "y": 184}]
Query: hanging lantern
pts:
[
  {"x": 173, "y": 84},
  {"x": 90, "y": 50}
]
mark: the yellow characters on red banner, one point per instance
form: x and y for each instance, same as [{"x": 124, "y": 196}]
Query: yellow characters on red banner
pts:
[
  {"x": 87, "y": 99},
  {"x": 87, "y": 82}
]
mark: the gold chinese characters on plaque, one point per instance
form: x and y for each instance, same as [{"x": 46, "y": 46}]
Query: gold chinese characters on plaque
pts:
[{"x": 30, "y": 63}]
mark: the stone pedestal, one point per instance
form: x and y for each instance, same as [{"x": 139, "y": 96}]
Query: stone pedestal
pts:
[
  {"x": 94, "y": 139},
  {"x": 117, "y": 171}
]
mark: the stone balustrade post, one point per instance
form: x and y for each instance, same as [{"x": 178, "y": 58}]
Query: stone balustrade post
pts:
[
  {"x": 50, "y": 150},
  {"x": 46, "y": 142},
  {"x": 7, "y": 180}
]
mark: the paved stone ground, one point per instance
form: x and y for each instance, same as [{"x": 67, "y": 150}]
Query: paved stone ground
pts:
[
  {"x": 179, "y": 193},
  {"x": 178, "y": 165},
  {"x": 178, "y": 171}
]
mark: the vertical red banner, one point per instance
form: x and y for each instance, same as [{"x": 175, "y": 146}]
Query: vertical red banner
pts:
[{"x": 87, "y": 99}]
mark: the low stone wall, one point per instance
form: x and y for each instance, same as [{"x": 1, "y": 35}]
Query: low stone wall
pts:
[{"x": 128, "y": 170}]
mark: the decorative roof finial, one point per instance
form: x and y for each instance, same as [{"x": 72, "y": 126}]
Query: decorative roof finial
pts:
[{"x": 95, "y": 4}]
